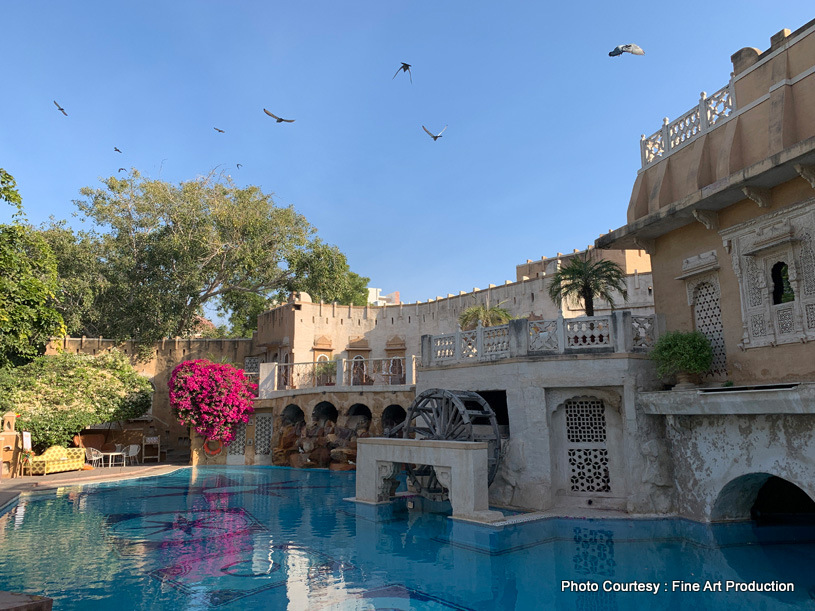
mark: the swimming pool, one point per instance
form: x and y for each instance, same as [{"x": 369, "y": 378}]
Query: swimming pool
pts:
[{"x": 229, "y": 538}]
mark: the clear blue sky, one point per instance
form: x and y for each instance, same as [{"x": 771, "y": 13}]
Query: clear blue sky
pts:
[{"x": 540, "y": 155}]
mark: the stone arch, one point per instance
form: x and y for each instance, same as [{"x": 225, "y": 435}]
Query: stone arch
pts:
[
  {"x": 737, "y": 498},
  {"x": 292, "y": 414},
  {"x": 392, "y": 416},
  {"x": 358, "y": 415},
  {"x": 324, "y": 411}
]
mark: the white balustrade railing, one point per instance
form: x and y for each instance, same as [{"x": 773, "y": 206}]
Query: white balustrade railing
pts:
[
  {"x": 392, "y": 371},
  {"x": 689, "y": 126},
  {"x": 594, "y": 332},
  {"x": 374, "y": 372},
  {"x": 617, "y": 332}
]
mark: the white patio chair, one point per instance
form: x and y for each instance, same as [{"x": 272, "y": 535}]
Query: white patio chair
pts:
[
  {"x": 94, "y": 457},
  {"x": 131, "y": 453}
]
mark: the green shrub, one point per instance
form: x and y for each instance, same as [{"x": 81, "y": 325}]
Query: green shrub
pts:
[
  {"x": 681, "y": 351},
  {"x": 58, "y": 395}
]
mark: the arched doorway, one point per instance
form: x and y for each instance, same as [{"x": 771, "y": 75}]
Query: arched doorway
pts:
[
  {"x": 764, "y": 497},
  {"x": 392, "y": 416},
  {"x": 324, "y": 411},
  {"x": 359, "y": 416},
  {"x": 292, "y": 414}
]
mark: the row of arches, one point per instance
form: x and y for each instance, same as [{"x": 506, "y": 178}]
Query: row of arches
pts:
[{"x": 356, "y": 415}]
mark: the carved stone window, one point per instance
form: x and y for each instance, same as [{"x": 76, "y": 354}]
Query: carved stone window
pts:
[
  {"x": 707, "y": 318},
  {"x": 238, "y": 445},
  {"x": 773, "y": 260},
  {"x": 586, "y": 450},
  {"x": 263, "y": 434}
]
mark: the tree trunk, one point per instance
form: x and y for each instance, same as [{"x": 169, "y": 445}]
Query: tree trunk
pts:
[{"x": 589, "y": 301}]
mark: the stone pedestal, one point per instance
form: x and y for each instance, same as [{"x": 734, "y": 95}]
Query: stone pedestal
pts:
[{"x": 461, "y": 467}]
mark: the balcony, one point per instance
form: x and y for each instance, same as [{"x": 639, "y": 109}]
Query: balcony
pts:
[
  {"x": 687, "y": 128},
  {"x": 397, "y": 373},
  {"x": 619, "y": 332}
]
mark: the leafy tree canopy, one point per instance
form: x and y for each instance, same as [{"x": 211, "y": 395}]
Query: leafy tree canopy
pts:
[
  {"x": 323, "y": 272},
  {"x": 583, "y": 279},
  {"x": 28, "y": 281},
  {"x": 8, "y": 191},
  {"x": 59, "y": 395},
  {"x": 158, "y": 253}
]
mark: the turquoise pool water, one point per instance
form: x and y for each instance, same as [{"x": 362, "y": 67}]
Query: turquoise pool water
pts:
[{"x": 240, "y": 538}]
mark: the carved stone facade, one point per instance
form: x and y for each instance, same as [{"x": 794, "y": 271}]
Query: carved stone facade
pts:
[{"x": 775, "y": 308}]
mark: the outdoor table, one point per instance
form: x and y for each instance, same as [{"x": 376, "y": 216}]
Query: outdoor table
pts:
[{"x": 111, "y": 456}]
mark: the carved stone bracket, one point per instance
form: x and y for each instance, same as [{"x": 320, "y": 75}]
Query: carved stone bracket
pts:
[
  {"x": 708, "y": 218},
  {"x": 759, "y": 195},
  {"x": 386, "y": 482},
  {"x": 644, "y": 244},
  {"x": 445, "y": 476},
  {"x": 807, "y": 172}
]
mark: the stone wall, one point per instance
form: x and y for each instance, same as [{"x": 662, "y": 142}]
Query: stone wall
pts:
[
  {"x": 298, "y": 331},
  {"x": 721, "y": 461}
]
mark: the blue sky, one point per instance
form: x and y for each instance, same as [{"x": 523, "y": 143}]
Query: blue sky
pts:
[{"x": 540, "y": 155}]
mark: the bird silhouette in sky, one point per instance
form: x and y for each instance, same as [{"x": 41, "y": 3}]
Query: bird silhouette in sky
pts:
[
  {"x": 436, "y": 136},
  {"x": 116, "y": 149},
  {"x": 220, "y": 131},
  {"x": 240, "y": 166},
  {"x": 630, "y": 48},
  {"x": 121, "y": 169},
  {"x": 278, "y": 119},
  {"x": 60, "y": 108},
  {"x": 404, "y": 68}
]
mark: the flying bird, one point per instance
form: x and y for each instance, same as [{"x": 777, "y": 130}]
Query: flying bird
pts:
[
  {"x": 121, "y": 169},
  {"x": 278, "y": 119},
  {"x": 60, "y": 108},
  {"x": 404, "y": 68},
  {"x": 220, "y": 131},
  {"x": 429, "y": 133},
  {"x": 116, "y": 149},
  {"x": 240, "y": 166},
  {"x": 631, "y": 48}
]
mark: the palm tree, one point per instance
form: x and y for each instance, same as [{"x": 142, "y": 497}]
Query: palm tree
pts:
[
  {"x": 584, "y": 280},
  {"x": 486, "y": 315}
]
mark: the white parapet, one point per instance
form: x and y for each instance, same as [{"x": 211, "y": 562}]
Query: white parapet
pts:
[{"x": 461, "y": 467}]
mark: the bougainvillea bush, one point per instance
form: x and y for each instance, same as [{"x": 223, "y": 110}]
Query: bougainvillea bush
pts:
[{"x": 211, "y": 397}]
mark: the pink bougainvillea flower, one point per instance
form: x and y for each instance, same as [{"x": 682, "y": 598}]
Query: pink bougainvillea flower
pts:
[{"x": 211, "y": 397}]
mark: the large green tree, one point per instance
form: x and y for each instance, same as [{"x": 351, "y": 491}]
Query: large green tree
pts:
[
  {"x": 158, "y": 253},
  {"x": 28, "y": 281},
  {"x": 583, "y": 279},
  {"x": 59, "y": 395},
  {"x": 323, "y": 272}
]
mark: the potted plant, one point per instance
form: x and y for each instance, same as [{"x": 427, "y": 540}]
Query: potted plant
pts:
[
  {"x": 683, "y": 353},
  {"x": 325, "y": 373}
]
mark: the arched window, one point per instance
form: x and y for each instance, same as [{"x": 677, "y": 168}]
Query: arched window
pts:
[{"x": 782, "y": 290}]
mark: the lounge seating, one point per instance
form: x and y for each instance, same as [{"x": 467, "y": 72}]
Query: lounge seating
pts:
[{"x": 57, "y": 459}]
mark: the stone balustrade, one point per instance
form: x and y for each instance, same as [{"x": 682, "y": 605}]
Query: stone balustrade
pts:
[
  {"x": 675, "y": 134},
  {"x": 618, "y": 332},
  {"x": 341, "y": 374}
]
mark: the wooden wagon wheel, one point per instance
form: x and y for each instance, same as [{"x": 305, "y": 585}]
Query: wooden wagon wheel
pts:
[{"x": 451, "y": 415}]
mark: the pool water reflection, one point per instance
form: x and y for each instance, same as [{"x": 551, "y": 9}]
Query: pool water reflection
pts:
[{"x": 229, "y": 538}]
